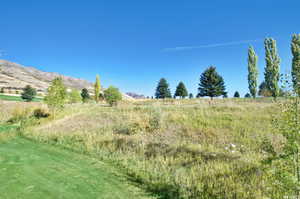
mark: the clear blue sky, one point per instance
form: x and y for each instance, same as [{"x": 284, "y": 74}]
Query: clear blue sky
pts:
[{"x": 132, "y": 44}]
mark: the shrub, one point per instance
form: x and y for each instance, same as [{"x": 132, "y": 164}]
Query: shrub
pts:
[
  {"x": 19, "y": 114},
  {"x": 74, "y": 96},
  {"x": 40, "y": 113},
  {"x": 112, "y": 95}
]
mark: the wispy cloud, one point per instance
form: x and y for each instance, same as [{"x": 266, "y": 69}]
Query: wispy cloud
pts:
[
  {"x": 181, "y": 48},
  {"x": 2, "y": 53}
]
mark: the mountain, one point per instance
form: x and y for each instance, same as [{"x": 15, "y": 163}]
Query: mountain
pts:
[
  {"x": 14, "y": 77},
  {"x": 135, "y": 96}
]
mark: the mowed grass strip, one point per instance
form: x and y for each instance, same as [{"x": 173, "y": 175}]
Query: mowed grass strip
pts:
[
  {"x": 33, "y": 170},
  {"x": 16, "y": 98}
]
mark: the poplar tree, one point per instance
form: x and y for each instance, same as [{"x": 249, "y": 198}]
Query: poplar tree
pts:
[
  {"x": 97, "y": 87},
  {"x": 295, "y": 47},
  {"x": 252, "y": 71},
  {"x": 272, "y": 67}
]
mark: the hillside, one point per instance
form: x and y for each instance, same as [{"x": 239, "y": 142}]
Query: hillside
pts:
[{"x": 14, "y": 77}]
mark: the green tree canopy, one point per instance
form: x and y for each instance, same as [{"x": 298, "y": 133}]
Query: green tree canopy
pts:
[
  {"x": 181, "y": 90},
  {"x": 252, "y": 71},
  {"x": 112, "y": 95},
  {"x": 211, "y": 84},
  {"x": 247, "y": 95},
  {"x": 295, "y": 47},
  {"x": 74, "y": 96},
  {"x": 28, "y": 93},
  {"x": 85, "y": 95},
  {"x": 191, "y": 96},
  {"x": 162, "y": 89},
  {"x": 236, "y": 94},
  {"x": 272, "y": 67},
  {"x": 97, "y": 87},
  {"x": 57, "y": 94}
]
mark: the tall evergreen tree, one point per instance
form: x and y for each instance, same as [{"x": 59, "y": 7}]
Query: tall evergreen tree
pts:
[
  {"x": 295, "y": 47},
  {"x": 191, "y": 96},
  {"x": 181, "y": 90},
  {"x": 85, "y": 95},
  {"x": 263, "y": 90},
  {"x": 28, "y": 93},
  {"x": 211, "y": 84},
  {"x": 97, "y": 88},
  {"x": 252, "y": 71},
  {"x": 236, "y": 94},
  {"x": 272, "y": 67},
  {"x": 162, "y": 89},
  {"x": 247, "y": 95}
]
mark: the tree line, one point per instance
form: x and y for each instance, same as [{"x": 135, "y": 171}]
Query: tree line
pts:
[
  {"x": 212, "y": 84},
  {"x": 57, "y": 95}
]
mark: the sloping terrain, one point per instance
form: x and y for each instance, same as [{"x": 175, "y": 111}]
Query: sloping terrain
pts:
[
  {"x": 17, "y": 76},
  {"x": 14, "y": 77}
]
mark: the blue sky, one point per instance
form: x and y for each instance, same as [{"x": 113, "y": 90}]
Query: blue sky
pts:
[{"x": 132, "y": 44}]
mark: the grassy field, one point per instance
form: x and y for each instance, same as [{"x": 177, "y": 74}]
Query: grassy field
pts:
[
  {"x": 172, "y": 148},
  {"x": 175, "y": 148},
  {"x": 16, "y": 98},
  {"x": 33, "y": 170}
]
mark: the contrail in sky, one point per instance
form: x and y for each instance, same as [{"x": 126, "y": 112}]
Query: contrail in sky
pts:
[{"x": 181, "y": 48}]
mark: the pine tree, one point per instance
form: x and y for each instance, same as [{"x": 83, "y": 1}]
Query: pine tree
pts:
[
  {"x": 181, "y": 90},
  {"x": 211, "y": 84},
  {"x": 97, "y": 88},
  {"x": 57, "y": 94},
  {"x": 247, "y": 95},
  {"x": 295, "y": 47},
  {"x": 191, "y": 96},
  {"x": 252, "y": 71},
  {"x": 162, "y": 89},
  {"x": 85, "y": 95},
  {"x": 236, "y": 94},
  {"x": 28, "y": 93},
  {"x": 263, "y": 90},
  {"x": 272, "y": 67}
]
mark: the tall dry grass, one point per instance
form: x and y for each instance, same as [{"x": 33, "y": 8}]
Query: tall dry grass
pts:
[{"x": 177, "y": 148}]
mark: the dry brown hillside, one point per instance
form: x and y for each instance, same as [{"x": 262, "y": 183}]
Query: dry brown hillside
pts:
[{"x": 14, "y": 77}]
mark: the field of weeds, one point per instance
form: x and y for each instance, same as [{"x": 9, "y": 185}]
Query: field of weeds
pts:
[{"x": 176, "y": 148}]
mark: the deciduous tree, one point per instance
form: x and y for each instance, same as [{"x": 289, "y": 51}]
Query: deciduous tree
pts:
[
  {"x": 295, "y": 47},
  {"x": 252, "y": 71},
  {"x": 97, "y": 87},
  {"x": 272, "y": 67}
]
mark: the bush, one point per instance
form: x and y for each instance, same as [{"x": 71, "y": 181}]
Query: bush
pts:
[
  {"x": 74, "y": 96},
  {"x": 40, "y": 113},
  {"x": 112, "y": 95},
  {"x": 19, "y": 114}
]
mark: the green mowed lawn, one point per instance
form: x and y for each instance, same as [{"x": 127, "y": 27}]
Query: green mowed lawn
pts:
[
  {"x": 16, "y": 98},
  {"x": 33, "y": 170}
]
